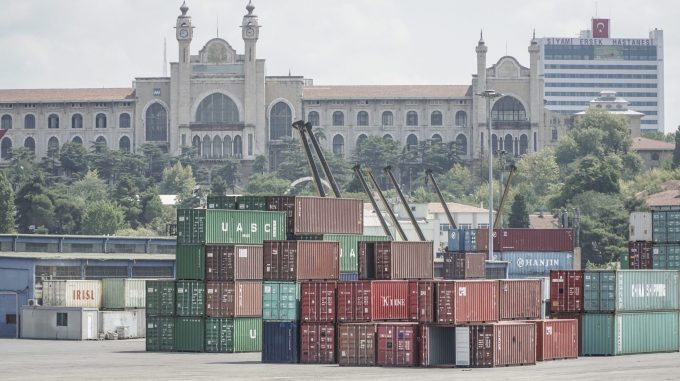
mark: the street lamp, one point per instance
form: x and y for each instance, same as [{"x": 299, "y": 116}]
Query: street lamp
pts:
[{"x": 489, "y": 95}]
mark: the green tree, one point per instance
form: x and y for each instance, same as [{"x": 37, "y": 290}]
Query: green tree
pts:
[
  {"x": 90, "y": 188},
  {"x": 591, "y": 174},
  {"x": 676, "y": 151},
  {"x": 152, "y": 208},
  {"x": 519, "y": 216},
  {"x": 458, "y": 182},
  {"x": 658, "y": 135},
  {"x": 375, "y": 153},
  {"x": 6, "y": 205},
  {"x": 260, "y": 164},
  {"x": 68, "y": 213},
  {"x": 228, "y": 172},
  {"x": 102, "y": 218},
  {"x": 537, "y": 178},
  {"x": 73, "y": 158},
  {"x": 34, "y": 206},
  {"x": 266, "y": 184},
  {"x": 179, "y": 180}
]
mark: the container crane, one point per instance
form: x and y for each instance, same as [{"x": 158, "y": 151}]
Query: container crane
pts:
[
  {"x": 388, "y": 170},
  {"x": 449, "y": 216},
  {"x": 513, "y": 169},
  {"x": 396, "y": 223},
  {"x": 357, "y": 173},
  {"x": 300, "y": 126},
  {"x": 322, "y": 159}
]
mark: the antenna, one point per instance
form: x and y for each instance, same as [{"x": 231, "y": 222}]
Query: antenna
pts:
[
  {"x": 217, "y": 25},
  {"x": 165, "y": 57}
]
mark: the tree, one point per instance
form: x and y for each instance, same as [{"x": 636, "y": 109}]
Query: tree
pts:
[
  {"x": 102, "y": 218},
  {"x": 6, "y": 205},
  {"x": 591, "y": 174},
  {"x": 658, "y": 135},
  {"x": 537, "y": 177},
  {"x": 375, "y": 153},
  {"x": 260, "y": 164},
  {"x": 266, "y": 184},
  {"x": 68, "y": 213},
  {"x": 179, "y": 180},
  {"x": 228, "y": 172},
  {"x": 34, "y": 206},
  {"x": 152, "y": 208},
  {"x": 90, "y": 188},
  {"x": 519, "y": 216},
  {"x": 676, "y": 151},
  {"x": 73, "y": 158}
]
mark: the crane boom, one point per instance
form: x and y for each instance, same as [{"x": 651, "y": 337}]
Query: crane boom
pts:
[
  {"x": 513, "y": 169},
  {"x": 322, "y": 159},
  {"x": 396, "y": 223},
  {"x": 299, "y": 125},
  {"x": 449, "y": 216},
  {"x": 388, "y": 170},
  {"x": 357, "y": 173}
]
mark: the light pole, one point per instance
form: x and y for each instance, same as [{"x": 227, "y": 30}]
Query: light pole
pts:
[{"x": 489, "y": 95}]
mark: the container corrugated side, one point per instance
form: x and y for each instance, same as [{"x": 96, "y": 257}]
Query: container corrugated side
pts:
[
  {"x": 467, "y": 301},
  {"x": 160, "y": 298},
  {"x": 464, "y": 265},
  {"x": 191, "y": 227},
  {"x": 412, "y": 260},
  {"x": 190, "y": 262},
  {"x": 357, "y": 344},
  {"x": 301, "y": 260},
  {"x": 390, "y": 300},
  {"x": 190, "y": 298},
  {"x": 280, "y": 342},
  {"x": 248, "y": 262},
  {"x": 520, "y": 299},
  {"x": 647, "y": 290},
  {"x": 397, "y": 344},
  {"x": 349, "y": 248},
  {"x": 536, "y": 263},
  {"x": 219, "y": 335},
  {"x": 527, "y": 240},
  {"x": 313, "y": 216},
  {"x": 318, "y": 302},
  {"x": 502, "y": 344},
  {"x": 354, "y": 301},
  {"x": 640, "y": 226},
  {"x": 556, "y": 339},
  {"x": 317, "y": 343},
  {"x": 247, "y": 334},
  {"x": 72, "y": 293},
  {"x": 422, "y": 300},
  {"x": 247, "y": 227},
  {"x": 229, "y": 299},
  {"x": 119, "y": 293},
  {"x": 566, "y": 291},
  {"x": 640, "y": 255},
  {"x": 160, "y": 333},
  {"x": 599, "y": 291},
  {"x": 233, "y": 262},
  {"x": 189, "y": 334},
  {"x": 221, "y": 202},
  {"x": 280, "y": 301}
]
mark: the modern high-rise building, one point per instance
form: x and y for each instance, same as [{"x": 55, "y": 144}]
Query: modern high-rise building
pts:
[{"x": 577, "y": 69}]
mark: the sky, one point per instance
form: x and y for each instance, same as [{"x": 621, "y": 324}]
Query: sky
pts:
[{"x": 107, "y": 43}]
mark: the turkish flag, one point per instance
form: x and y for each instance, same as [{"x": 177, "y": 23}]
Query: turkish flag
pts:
[
  {"x": 600, "y": 28},
  {"x": 2, "y": 133}
]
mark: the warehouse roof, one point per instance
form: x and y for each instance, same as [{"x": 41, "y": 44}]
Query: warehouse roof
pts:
[
  {"x": 386, "y": 92},
  {"x": 89, "y": 256},
  {"x": 66, "y": 95}
]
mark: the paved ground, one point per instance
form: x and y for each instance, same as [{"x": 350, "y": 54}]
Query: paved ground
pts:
[{"x": 126, "y": 360}]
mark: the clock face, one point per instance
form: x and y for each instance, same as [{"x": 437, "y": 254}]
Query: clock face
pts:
[
  {"x": 250, "y": 32},
  {"x": 183, "y": 33}
]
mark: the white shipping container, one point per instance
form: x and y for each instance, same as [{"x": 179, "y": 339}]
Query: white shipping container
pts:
[
  {"x": 72, "y": 293},
  {"x": 640, "y": 226}
]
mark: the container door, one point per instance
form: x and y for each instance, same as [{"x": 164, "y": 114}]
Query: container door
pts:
[
  {"x": 462, "y": 346},
  {"x": 90, "y": 326}
]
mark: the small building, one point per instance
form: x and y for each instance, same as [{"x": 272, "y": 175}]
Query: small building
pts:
[
  {"x": 653, "y": 152},
  {"x": 609, "y": 102},
  {"x": 59, "y": 323}
]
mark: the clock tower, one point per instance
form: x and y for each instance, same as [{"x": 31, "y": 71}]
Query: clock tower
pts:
[
  {"x": 255, "y": 131},
  {"x": 181, "y": 81}
]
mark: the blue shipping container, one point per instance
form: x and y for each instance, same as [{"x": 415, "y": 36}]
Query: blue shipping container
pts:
[
  {"x": 535, "y": 263},
  {"x": 463, "y": 240},
  {"x": 280, "y": 342},
  {"x": 349, "y": 277}
]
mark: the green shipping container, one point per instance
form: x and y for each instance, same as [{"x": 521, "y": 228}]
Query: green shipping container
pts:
[
  {"x": 219, "y": 335},
  {"x": 160, "y": 333},
  {"x": 623, "y": 260},
  {"x": 280, "y": 301},
  {"x": 629, "y": 333},
  {"x": 120, "y": 293},
  {"x": 349, "y": 248},
  {"x": 247, "y": 334},
  {"x": 189, "y": 334},
  {"x": 221, "y": 202},
  {"x": 599, "y": 291},
  {"x": 647, "y": 290},
  {"x": 666, "y": 256},
  {"x": 160, "y": 298},
  {"x": 659, "y": 227},
  {"x": 190, "y": 298},
  {"x": 190, "y": 262},
  {"x": 251, "y": 203},
  {"x": 212, "y": 226}
]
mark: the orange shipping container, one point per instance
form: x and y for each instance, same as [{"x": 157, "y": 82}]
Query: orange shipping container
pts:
[
  {"x": 229, "y": 299},
  {"x": 556, "y": 339},
  {"x": 301, "y": 260},
  {"x": 520, "y": 299},
  {"x": 467, "y": 301}
]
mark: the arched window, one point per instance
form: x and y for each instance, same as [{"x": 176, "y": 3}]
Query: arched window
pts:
[
  {"x": 6, "y": 148},
  {"x": 227, "y": 146},
  {"x": 494, "y": 144},
  {"x": 523, "y": 144},
  {"x": 362, "y": 118},
  {"x": 411, "y": 142},
  {"x": 207, "y": 146},
  {"x": 461, "y": 119},
  {"x": 156, "y": 123},
  {"x": 217, "y": 108},
  {"x": 338, "y": 145},
  {"x": 77, "y": 140},
  {"x": 53, "y": 121},
  {"x": 217, "y": 147},
  {"x": 362, "y": 138},
  {"x": 436, "y": 118},
  {"x": 53, "y": 146},
  {"x": 387, "y": 118},
  {"x": 124, "y": 144},
  {"x": 196, "y": 143},
  {"x": 238, "y": 146},
  {"x": 508, "y": 108},
  {"x": 124, "y": 120},
  {"x": 29, "y": 121},
  {"x": 30, "y": 144},
  {"x": 437, "y": 138},
  {"x": 461, "y": 142},
  {"x": 338, "y": 118},
  {"x": 6, "y": 122},
  {"x": 101, "y": 141},
  {"x": 100, "y": 121},
  {"x": 655, "y": 155},
  {"x": 280, "y": 121},
  {"x": 388, "y": 137},
  {"x": 77, "y": 121},
  {"x": 411, "y": 118},
  {"x": 313, "y": 118},
  {"x": 507, "y": 144}
]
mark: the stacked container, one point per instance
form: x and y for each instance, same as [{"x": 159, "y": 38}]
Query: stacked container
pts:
[
  {"x": 160, "y": 316},
  {"x": 654, "y": 239}
]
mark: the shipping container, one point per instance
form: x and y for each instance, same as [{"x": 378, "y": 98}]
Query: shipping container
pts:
[
  {"x": 248, "y": 334},
  {"x": 435, "y": 346},
  {"x": 233, "y": 262},
  {"x": 160, "y": 333},
  {"x": 397, "y": 344},
  {"x": 640, "y": 255},
  {"x": 464, "y": 265},
  {"x": 280, "y": 342},
  {"x": 666, "y": 256},
  {"x": 396, "y": 260},
  {"x": 280, "y": 301},
  {"x": 349, "y": 277},
  {"x": 421, "y": 301},
  {"x": 462, "y": 346},
  {"x": 120, "y": 293},
  {"x": 527, "y": 240},
  {"x": 566, "y": 291},
  {"x": 462, "y": 240},
  {"x": 556, "y": 339},
  {"x": 189, "y": 334},
  {"x": 647, "y": 290},
  {"x": 623, "y": 261},
  {"x": 221, "y": 202},
  {"x": 467, "y": 301},
  {"x": 390, "y": 300},
  {"x": 229, "y": 299},
  {"x": 349, "y": 248},
  {"x": 356, "y": 344},
  {"x": 317, "y": 343},
  {"x": 301, "y": 260},
  {"x": 160, "y": 298},
  {"x": 214, "y": 226},
  {"x": 190, "y": 298},
  {"x": 72, "y": 293},
  {"x": 190, "y": 262},
  {"x": 578, "y": 316},
  {"x": 497, "y": 269},
  {"x": 599, "y": 291},
  {"x": 354, "y": 302},
  {"x": 629, "y": 333},
  {"x": 659, "y": 226},
  {"x": 545, "y": 287},
  {"x": 502, "y": 344},
  {"x": 310, "y": 215},
  {"x": 219, "y": 335},
  {"x": 520, "y": 299},
  {"x": 251, "y": 203},
  {"x": 640, "y": 226},
  {"x": 535, "y": 263},
  {"x": 317, "y": 302}
]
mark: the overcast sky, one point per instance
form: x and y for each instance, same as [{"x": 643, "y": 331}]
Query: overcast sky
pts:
[{"x": 107, "y": 43}]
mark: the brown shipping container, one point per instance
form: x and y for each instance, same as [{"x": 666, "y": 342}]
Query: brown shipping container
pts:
[
  {"x": 396, "y": 260},
  {"x": 566, "y": 291},
  {"x": 398, "y": 344},
  {"x": 527, "y": 240},
  {"x": 356, "y": 344},
  {"x": 317, "y": 215},
  {"x": 233, "y": 262},
  {"x": 354, "y": 301},
  {"x": 317, "y": 343},
  {"x": 573, "y": 316},
  {"x": 390, "y": 300},
  {"x": 502, "y": 344},
  {"x": 467, "y": 301},
  {"x": 520, "y": 299},
  {"x": 464, "y": 265},
  {"x": 317, "y": 302},
  {"x": 556, "y": 339},
  {"x": 421, "y": 301},
  {"x": 301, "y": 260},
  {"x": 229, "y": 299},
  {"x": 640, "y": 255}
]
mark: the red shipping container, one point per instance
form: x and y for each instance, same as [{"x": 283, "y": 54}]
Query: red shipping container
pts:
[
  {"x": 396, "y": 260},
  {"x": 556, "y": 339},
  {"x": 229, "y": 299},
  {"x": 356, "y": 344},
  {"x": 397, "y": 344},
  {"x": 520, "y": 298},
  {"x": 467, "y": 301},
  {"x": 640, "y": 255},
  {"x": 320, "y": 215},
  {"x": 354, "y": 301},
  {"x": 390, "y": 300},
  {"x": 421, "y": 301},
  {"x": 301, "y": 260},
  {"x": 465, "y": 265},
  {"x": 317, "y": 343},
  {"x": 527, "y": 240},
  {"x": 317, "y": 302},
  {"x": 233, "y": 262},
  {"x": 502, "y": 344},
  {"x": 573, "y": 316},
  {"x": 566, "y": 291}
]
